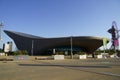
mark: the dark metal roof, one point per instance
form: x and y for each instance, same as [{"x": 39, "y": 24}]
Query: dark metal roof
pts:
[
  {"x": 24, "y": 42},
  {"x": 23, "y": 34}
]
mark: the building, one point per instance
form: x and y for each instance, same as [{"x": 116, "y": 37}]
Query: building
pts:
[
  {"x": 40, "y": 46},
  {"x": 7, "y": 47}
]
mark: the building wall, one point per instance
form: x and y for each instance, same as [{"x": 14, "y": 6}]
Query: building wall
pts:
[
  {"x": 39, "y": 45},
  {"x": 7, "y": 47}
]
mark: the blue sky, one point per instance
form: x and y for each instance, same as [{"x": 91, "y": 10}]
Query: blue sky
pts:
[{"x": 59, "y": 18}]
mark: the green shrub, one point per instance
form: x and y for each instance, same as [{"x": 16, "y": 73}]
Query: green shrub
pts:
[
  {"x": 1, "y": 50},
  {"x": 98, "y": 52},
  {"x": 118, "y": 53},
  {"x": 20, "y": 52},
  {"x": 59, "y": 53},
  {"x": 111, "y": 52},
  {"x": 81, "y": 53}
]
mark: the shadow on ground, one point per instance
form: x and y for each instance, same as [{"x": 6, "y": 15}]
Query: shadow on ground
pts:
[{"x": 82, "y": 66}]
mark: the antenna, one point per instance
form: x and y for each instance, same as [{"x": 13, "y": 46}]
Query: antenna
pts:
[{"x": 1, "y": 26}]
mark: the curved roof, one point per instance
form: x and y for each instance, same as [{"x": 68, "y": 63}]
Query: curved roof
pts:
[
  {"x": 24, "y": 42},
  {"x": 23, "y": 34}
]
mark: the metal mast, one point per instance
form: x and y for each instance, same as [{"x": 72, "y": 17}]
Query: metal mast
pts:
[
  {"x": 71, "y": 43},
  {"x": 1, "y": 26},
  {"x": 32, "y": 48}
]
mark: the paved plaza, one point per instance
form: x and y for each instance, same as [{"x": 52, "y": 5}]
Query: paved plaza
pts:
[{"x": 89, "y": 69}]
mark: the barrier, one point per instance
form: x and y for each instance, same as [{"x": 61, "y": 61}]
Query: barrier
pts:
[
  {"x": 58, "y": 57},
  {"x": 21, "y": 57}
]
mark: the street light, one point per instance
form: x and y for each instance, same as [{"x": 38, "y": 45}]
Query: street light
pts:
[
  {"x": 1, "y": 26},
  {"x": 71, "y": 47},
  {"x": 32, "y": 47}
]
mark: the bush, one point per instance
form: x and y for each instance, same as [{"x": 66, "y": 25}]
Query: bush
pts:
[
  {"x": 81, "y": 53},
  {"x": 20, "y": 52},
  {"x": 118, "y": 53},
  {"x": 1, "y": 50},
  {"x": 111, "y": 52},
  {"x": 59, "y": 53},
  {"x": 98, "y": 52}
]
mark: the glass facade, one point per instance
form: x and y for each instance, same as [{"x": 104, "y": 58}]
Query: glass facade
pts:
[{"x": 65, "y": 50}]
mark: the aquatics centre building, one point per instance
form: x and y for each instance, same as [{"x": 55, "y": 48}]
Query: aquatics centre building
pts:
[{"x": 36, "y": 45}]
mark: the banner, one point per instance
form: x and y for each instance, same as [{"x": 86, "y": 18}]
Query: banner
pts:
[
  {"x": 116, "y": 42},
  {"x": 105, "y": 41}
]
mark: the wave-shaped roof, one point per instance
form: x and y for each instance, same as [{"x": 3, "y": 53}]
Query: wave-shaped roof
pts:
[
  {"x": 24, "y": 41},
  {"x": 23, "y": 34}
]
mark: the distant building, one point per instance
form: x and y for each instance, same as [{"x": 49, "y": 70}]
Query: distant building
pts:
[
  {"x": 40, "y": 46},
  {"x": 7, "y": 47}
]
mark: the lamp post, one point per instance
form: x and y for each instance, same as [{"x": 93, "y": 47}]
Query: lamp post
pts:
[
  {"x": 71, "y": 47},
  {"x": 32, "y": 47},
  {"x": 1, "y": 25}
]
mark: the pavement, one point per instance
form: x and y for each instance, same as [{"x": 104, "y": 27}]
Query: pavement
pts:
[{"x": 68, "y": 69}]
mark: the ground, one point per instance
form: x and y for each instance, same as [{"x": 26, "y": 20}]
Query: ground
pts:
[{"x": 69, "y": 69}]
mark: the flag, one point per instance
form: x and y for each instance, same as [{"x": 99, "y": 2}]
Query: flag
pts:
[
  {"x": 105, "y": 41},
  {"x": 116, "y": 42}
]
